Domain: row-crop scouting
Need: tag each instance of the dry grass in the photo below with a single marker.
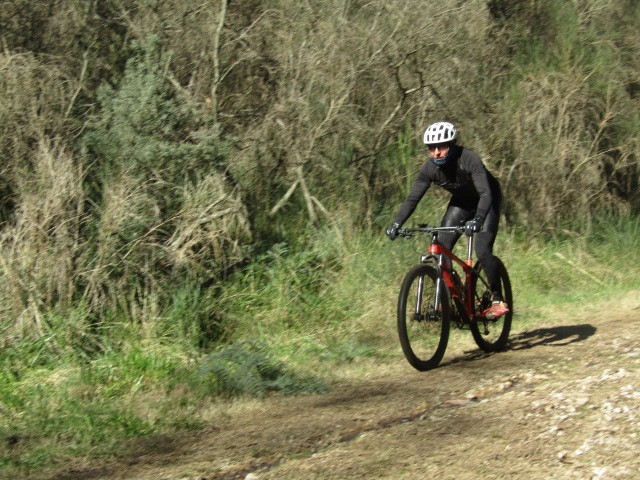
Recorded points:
(39, 250)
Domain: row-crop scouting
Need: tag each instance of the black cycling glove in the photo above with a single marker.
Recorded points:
(392, 230)
(473, 226)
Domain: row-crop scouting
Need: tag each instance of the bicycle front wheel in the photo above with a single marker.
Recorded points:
(491, 335)
(423, 328)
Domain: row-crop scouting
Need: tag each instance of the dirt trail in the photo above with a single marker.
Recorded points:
(562, 403)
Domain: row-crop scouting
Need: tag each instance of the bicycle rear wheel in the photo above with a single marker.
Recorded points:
(423, 331)
(491, 335)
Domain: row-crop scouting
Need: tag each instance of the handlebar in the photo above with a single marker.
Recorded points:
(426, 229)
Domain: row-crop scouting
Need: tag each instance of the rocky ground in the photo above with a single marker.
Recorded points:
(562, 403)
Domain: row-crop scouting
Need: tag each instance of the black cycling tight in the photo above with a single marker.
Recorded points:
(484, 239)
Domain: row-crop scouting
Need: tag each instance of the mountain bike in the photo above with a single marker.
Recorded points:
(433, 295)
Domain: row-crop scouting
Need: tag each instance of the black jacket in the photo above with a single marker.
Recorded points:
(471, 185)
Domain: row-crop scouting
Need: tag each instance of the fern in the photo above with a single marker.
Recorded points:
(245, 368)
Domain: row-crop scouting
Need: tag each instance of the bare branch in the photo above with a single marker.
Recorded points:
(83, 72)
(284, 199)
(216, 59)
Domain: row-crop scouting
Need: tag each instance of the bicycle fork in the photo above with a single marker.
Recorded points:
(436, 304)
(417, 314)
(429, 315)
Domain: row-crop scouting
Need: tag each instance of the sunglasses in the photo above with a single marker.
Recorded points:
(440, 146)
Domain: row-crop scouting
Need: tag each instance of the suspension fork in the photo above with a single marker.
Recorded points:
(417, 313)
(438, 260)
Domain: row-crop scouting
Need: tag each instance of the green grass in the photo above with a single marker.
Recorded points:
(292, 312)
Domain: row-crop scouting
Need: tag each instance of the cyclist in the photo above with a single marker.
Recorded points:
(475, 201)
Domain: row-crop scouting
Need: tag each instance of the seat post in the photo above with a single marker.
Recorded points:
(470, 251)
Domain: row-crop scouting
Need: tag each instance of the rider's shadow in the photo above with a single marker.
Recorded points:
(551, 336)
(559, 336)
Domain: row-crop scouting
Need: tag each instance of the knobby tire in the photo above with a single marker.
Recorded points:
(423, 336)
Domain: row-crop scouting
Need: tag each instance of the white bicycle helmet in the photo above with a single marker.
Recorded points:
(440, 132)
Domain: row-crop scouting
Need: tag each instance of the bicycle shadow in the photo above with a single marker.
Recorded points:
(559, 336)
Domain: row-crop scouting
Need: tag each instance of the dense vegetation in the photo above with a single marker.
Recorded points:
(182, 176)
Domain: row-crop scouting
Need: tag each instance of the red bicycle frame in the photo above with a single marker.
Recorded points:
(463, 298)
